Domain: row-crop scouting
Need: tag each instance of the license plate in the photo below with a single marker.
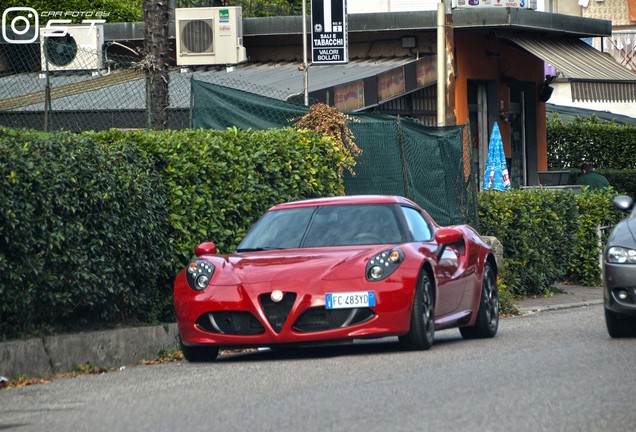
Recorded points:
(349, 300)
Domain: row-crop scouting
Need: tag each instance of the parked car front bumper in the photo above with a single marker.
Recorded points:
(619, 281)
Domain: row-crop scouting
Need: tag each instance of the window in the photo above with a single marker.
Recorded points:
(418, 225)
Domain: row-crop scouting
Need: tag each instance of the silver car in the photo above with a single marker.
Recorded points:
(619, 273)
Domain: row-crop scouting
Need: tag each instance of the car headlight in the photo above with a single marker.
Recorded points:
(383, 264)
(199, 274)
(621, 255)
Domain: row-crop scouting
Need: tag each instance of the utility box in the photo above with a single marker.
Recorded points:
(209, 36)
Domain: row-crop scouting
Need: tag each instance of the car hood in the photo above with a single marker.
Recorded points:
(624, 234)
(292, 265)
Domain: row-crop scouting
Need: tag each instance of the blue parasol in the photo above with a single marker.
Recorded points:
(496, 176)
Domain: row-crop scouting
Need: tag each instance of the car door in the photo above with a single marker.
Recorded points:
(448, 277)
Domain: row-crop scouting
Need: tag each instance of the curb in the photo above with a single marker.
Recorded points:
(47, 356)
(546, 308)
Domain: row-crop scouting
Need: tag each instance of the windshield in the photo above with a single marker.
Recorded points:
(335, 225)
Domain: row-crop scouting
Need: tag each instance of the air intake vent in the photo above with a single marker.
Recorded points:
(277, 313)
(321, 319)
(238, 323)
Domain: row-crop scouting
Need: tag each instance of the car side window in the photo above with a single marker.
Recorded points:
(418, 225)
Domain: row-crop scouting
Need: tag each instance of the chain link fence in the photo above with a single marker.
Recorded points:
(60, 84)
(400, 156)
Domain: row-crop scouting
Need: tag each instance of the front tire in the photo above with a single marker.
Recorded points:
(488, 315)
(199, 354)
(619, 327)
(422, 331)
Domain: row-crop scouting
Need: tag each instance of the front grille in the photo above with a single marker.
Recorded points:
(277, 313)
(321, 319)
(239, 323)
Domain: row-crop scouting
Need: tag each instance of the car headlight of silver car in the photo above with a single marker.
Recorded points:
(621, 255)
(383, 264)
(199, 274)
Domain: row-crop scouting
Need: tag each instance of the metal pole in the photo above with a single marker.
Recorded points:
(305, 66)
(47, 88)
(441, 65)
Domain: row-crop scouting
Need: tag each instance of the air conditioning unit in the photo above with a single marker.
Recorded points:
(209, 36)
(79, 49)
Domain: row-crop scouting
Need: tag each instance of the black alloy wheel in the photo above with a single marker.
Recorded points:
(488, 315)
(422, 331)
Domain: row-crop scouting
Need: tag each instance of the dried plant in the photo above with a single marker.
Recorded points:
(328, 121)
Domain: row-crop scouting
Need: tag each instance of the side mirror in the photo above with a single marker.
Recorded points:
(206, 248)
(446, 236)
(624, 203)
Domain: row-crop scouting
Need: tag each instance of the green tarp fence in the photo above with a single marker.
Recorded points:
(399, 156)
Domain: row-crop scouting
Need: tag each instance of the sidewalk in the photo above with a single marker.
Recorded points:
(572, 296)
(43, 357)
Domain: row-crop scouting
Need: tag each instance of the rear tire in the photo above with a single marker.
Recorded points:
(199, 354)
(619, 326)
(488, 315)
(422, 331)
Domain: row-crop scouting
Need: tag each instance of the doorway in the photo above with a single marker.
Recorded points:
(482, 103)
(484, 110)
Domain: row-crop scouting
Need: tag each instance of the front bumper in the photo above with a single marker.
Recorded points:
(245, 315)
(620, 278)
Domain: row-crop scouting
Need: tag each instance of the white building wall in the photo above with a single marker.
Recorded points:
(374, 6)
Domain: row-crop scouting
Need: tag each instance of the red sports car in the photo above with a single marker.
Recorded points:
(334, 269)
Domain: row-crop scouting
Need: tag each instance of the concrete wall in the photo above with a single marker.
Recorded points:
(42, 357)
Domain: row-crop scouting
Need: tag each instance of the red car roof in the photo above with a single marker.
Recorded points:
(340, 200)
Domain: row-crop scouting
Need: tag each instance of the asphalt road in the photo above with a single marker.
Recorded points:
(552, 371)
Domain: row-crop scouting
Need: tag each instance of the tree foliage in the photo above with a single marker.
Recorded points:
(253, 8)
(118, 10)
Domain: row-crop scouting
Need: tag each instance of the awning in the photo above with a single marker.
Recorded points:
(593, 75)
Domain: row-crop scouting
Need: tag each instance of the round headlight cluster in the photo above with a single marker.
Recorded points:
(621, 255)
(199, 274)
(383, 264)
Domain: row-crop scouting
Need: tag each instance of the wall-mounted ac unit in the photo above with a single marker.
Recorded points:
(79, 49)
(209, 36)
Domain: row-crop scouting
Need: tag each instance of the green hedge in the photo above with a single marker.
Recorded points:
(220, 182)
(536, 228)
(83, 237)
(548, 235)
(622, 181)
(595, 211)
(94, 227)
(607, 145)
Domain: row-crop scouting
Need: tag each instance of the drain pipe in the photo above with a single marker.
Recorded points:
(305, 66)
(441, 65)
